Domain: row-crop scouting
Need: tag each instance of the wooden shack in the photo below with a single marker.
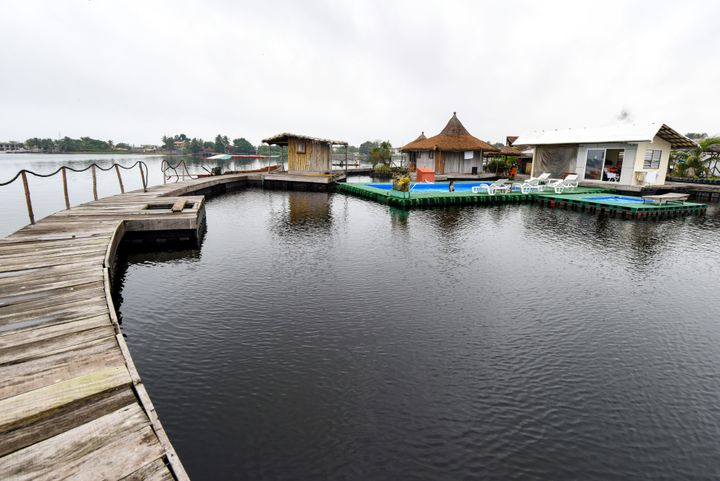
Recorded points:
(306, 155)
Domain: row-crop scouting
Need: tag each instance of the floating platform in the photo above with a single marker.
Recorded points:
(614, 205)
(590, 199)
(435, 199)
(302, 181)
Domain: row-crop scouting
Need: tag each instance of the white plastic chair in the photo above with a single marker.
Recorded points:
(500, 185)
(534, 183)
(570, 182)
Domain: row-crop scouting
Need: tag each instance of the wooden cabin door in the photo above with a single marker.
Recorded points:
(439, 162)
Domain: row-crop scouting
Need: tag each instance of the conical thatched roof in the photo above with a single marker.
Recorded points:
(409, 146)
(454, 137)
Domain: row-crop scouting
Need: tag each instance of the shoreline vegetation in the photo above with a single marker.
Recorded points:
(376, 151)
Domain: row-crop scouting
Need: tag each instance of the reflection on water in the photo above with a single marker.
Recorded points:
(322, 336)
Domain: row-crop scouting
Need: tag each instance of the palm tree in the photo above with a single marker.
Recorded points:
(699, 161)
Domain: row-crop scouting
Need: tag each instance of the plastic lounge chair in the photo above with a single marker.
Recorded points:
(533, 183)
(570, 182)
(500, 185)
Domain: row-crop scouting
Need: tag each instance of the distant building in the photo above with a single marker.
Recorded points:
(452, 151)
(628, 154)
(306, 154)
(12, 147)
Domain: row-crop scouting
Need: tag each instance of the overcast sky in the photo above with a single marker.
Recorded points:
(135, 70)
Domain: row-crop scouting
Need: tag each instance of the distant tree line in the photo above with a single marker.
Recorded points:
(67, 144)
(220, 145)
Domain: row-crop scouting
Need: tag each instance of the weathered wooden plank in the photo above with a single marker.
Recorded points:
(53, 315)
(49, 300)
(76, 288)
(179, 205)
(109, 447)
(47, 281)
(59, 238)
(155, 471)
(37, 334)
(37, 246)
(65, 418)
(17, 410)
(49, 252)
(54, 345)
(39, 372)
(14, 264)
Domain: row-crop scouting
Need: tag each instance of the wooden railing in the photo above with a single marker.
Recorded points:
(183, 173)
(63, 171)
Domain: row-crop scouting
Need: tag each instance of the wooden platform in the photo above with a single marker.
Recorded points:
(300, 181)
(72, 404)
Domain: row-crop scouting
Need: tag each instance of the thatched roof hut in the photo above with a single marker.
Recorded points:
(453, 138)
(409, 146)
(453, 151)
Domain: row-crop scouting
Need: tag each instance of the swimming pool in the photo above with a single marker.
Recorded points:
(619, 199)
(434, 186)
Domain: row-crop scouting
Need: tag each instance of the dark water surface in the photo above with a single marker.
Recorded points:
(319, 336)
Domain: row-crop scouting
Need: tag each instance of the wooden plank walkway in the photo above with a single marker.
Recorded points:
(72, 404)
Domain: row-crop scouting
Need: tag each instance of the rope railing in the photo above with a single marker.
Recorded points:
(22, 174)
(165, 166)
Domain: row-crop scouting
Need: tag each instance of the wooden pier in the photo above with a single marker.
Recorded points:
(72, 404)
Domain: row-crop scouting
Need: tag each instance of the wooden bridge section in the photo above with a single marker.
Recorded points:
(72, 404)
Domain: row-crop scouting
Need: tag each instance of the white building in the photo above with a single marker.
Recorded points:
(629, 154)
(12, 147)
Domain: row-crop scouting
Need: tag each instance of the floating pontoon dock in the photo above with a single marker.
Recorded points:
(620, 206)
(582, 198)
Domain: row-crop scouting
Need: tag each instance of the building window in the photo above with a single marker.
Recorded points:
(652, 159)
(301, 147)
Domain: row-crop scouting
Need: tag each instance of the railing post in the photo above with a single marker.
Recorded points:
(142, 176)
(65, 188)
(94, 177)
(27, 197)
(122, 187)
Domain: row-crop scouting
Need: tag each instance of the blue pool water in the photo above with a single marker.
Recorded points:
(619, 199)
(433, 187)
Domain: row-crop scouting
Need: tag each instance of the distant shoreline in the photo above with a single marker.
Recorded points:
(105, 152)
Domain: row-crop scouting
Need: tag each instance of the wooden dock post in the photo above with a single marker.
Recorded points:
(65, 188)
(122, 187)
(28, 202)
(142, 177)
(94, 178)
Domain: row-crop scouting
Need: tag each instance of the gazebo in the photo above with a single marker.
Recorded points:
(453, 151)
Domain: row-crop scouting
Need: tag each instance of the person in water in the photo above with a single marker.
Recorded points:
(451, 186)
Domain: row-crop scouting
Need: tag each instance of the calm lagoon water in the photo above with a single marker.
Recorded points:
(47, 193)
(319, 336)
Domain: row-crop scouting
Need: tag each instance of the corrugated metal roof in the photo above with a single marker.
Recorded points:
(624, 132)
